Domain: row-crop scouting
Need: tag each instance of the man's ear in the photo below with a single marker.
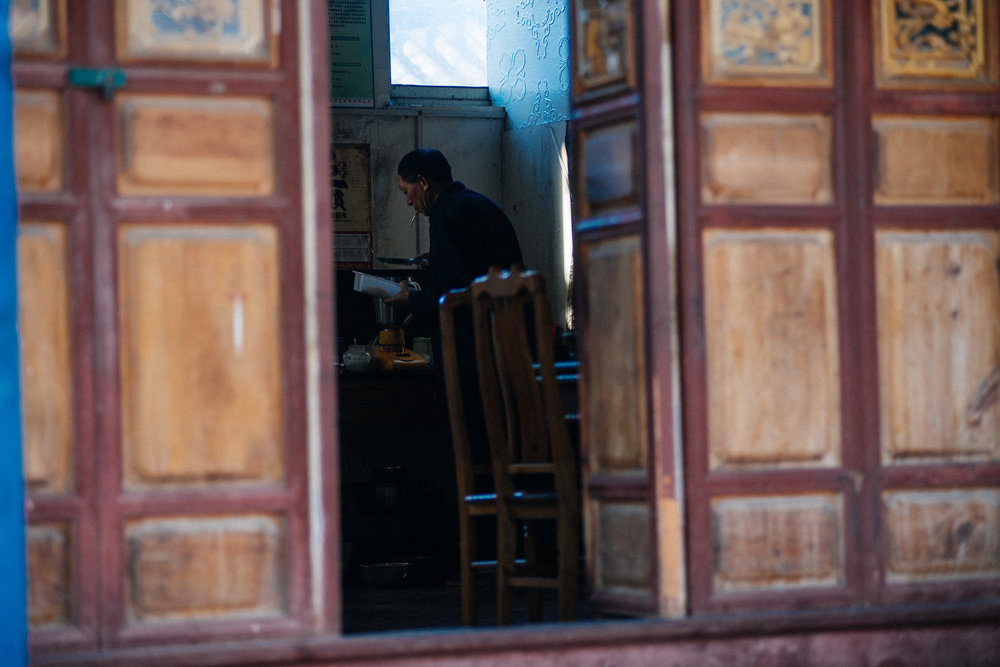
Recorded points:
(423, 182)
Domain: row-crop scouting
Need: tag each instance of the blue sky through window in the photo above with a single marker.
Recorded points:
(437, 42)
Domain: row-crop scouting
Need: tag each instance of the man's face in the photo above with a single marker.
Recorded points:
(416, 194)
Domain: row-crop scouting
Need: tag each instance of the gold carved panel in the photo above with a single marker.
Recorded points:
(755, 158)
(777, 542)
(941, 534)
(615, 349)
(936, 44)
(773, 359)
(939, 345)
(200, 355)
(197, 567)
(232, 32)
(38, 28)
(46, 365)
(39, 138)
(767, 42)
(51, 581)
(624, 550)
(603, 47)
(936, 160)
(196, 146)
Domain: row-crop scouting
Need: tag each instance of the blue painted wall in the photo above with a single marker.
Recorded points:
(13, 606)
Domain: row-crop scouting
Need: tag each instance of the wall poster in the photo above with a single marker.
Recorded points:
(351, 70)
(350, 189)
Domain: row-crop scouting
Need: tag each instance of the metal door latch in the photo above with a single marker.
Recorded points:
(108, 80)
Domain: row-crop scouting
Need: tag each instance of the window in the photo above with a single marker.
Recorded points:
(437, 42)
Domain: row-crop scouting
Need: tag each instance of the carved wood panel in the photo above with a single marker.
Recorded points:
(935, 44)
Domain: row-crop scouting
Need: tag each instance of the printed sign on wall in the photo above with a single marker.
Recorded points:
(350, 189)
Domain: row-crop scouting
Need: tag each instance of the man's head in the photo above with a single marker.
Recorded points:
(423, 174)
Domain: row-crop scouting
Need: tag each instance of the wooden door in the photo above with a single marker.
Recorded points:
(839, 244)
(623, 267)
(163, 321)
(832, 278)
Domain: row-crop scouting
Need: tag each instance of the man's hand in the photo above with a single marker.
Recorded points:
(402, 298)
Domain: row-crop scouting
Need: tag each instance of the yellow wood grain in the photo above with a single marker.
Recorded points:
(39, 139)
(615, 349)
(200, 354)
(196, 146)
(773, 359)
(759, 158)
(46, 376)
(939, 345)
(936, 160)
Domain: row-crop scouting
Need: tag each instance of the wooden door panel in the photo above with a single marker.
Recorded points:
(615, 341)
(231, 33)
(939, 345)
(951, 46)
(941, 535)
(622, 558)
(193, 145)
(52, 582)
(936, 160)
(191, 567)
(766, 158)
(39, 139)
(201, 376)
(772, 348)
(767, 44)
(46, 363)
(38, 29)
(777, 542)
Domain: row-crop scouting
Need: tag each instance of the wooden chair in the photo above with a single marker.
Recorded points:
(534, 465)
(476, 498)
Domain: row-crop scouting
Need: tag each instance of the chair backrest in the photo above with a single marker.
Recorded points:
(525, 423)
(455, 305)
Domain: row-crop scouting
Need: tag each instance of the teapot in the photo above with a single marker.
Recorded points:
(357, 358)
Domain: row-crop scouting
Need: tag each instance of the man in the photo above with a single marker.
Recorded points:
(469, 233)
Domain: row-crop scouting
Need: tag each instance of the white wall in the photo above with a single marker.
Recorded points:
(471, 139)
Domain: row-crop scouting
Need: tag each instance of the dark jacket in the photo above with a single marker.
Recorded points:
(469, 233)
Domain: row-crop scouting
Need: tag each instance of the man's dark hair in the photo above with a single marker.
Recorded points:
(426, 162)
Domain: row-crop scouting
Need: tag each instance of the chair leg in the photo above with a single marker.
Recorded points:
(506, 555)
(467, 545)
(531, 562)
(568, 563)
